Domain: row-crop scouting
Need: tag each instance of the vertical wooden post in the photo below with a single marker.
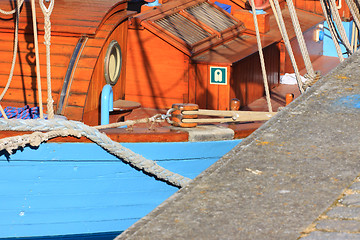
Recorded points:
(37, 59)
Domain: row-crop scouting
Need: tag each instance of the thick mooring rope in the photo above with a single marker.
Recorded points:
(300, 39)
(47, 36)
(339, 25)
(335, 41)
(261, 55)
(354, 12)
(60, 127)
(280, 21)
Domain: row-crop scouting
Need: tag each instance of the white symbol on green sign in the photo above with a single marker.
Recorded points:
(218, 75)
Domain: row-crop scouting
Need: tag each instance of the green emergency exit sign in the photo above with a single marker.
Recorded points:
(218, 75)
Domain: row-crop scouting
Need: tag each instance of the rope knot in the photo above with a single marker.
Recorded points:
(36, 139)
(311, 79)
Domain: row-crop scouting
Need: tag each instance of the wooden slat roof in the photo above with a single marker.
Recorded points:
(192, 26)
(69, 16)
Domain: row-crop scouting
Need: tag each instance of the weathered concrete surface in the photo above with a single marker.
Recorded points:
(308, 154)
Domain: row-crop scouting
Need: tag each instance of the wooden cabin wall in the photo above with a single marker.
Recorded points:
(315, 7)
(206, 95)
(157, 74)
(246, 79)
(66, 31)
(92, 93)
(23, 87)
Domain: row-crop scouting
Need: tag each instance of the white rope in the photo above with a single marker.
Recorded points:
(336, 43)
(300, 39)
(16, 10)
(13, 10)
(354, 12)
(47, 36)
(280, 21)
(261, 55)
(156, 118)
(37, 58)
(340, 27)
(60, 127)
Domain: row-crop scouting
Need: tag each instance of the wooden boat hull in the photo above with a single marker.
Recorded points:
(80, 190)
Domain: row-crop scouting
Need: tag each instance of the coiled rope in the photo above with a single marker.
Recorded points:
(60, 127)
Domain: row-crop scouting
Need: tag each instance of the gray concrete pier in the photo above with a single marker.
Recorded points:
(295, 177)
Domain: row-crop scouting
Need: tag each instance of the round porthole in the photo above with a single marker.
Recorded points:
(113, 61)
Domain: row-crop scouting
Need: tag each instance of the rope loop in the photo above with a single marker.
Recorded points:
(47, 24)
(14, 10)
(168, 115)
(47, 10)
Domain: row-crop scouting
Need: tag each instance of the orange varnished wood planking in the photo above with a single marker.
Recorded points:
(152, 50)
(314, 6)
(156, 71)
(161, 68)
(247, 18)
(92, 104)
(77, 17)
(247, 82)
(144, 134)
(98, 19)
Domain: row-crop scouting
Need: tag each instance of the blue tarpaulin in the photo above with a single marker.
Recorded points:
(224, 6)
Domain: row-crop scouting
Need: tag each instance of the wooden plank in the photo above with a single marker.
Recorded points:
(247, 81)
(65, 16)
(202, 74)
(224, 93)
(80, 86)
(21, 82)
(27, 70)
(246, 17)
(59, 60)
(192, 83)
(76, 99)
(98, 80)
(310, 6)
(76, 113)
(7, 45)
(155, 102)
(83, 74)
(29, 96)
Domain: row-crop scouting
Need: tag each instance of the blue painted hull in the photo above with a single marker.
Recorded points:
(79, 191)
